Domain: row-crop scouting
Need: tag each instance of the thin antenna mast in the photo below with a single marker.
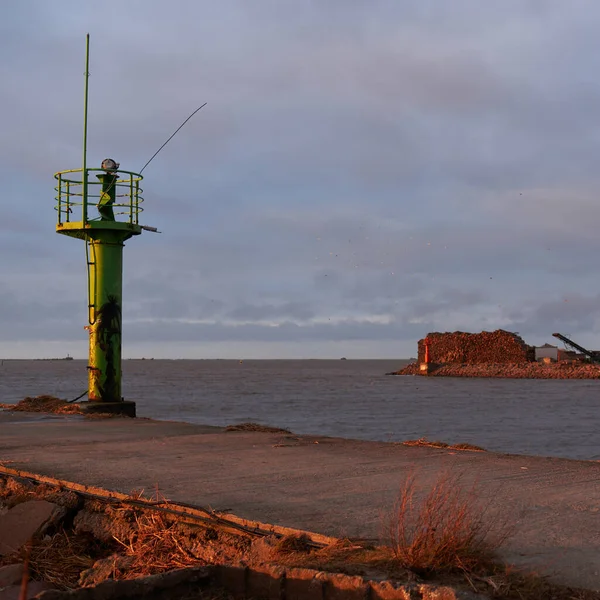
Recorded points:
(85, 120)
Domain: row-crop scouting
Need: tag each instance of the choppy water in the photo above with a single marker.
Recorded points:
(350, 398)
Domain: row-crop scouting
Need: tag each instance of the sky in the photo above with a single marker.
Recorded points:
(363, 172)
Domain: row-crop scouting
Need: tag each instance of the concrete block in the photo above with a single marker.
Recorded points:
(103, 569)
(389, 590)
(12, 592)
(27, 520)
(265, 582)
(107, 590)
(11, 574)
(303, 584)
(233, 579)
(344, 587)
(434, 592)
(101, 526)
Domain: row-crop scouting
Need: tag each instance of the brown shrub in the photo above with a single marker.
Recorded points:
(449, 529)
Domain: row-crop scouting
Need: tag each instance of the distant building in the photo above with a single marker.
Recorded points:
(547, 351)
(554, 353)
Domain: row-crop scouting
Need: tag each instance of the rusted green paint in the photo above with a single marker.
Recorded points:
(106, 281)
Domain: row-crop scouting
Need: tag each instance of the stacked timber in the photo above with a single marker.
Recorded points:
(493, 347)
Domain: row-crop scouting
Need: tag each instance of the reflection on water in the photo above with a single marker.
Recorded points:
(350, 398)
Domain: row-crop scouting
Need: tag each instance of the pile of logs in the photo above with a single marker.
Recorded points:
(475, 348)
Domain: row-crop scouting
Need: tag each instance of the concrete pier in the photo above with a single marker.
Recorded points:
(331, 486)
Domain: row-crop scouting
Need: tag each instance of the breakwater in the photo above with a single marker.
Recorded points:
(531, 370)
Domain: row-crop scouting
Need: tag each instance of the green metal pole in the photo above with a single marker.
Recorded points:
(106, 277)
(104, 239)
(85, 120)
(106, 273)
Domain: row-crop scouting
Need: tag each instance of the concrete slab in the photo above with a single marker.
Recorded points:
(11, 574)
(327, 485)
(13, 592)
(25, 520)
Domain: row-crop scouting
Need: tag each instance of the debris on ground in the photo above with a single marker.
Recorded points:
(257, 427)
(78, 541)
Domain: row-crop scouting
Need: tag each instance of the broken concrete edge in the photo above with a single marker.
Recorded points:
(242, 581)
(27, 521)
(11, 574)
(269, 582)
(180, 510)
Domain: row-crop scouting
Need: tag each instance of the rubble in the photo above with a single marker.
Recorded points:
(565, 370)
(26, 521)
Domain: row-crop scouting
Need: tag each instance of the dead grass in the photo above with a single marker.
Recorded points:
(156, 546)
(291, 544)
(448, 530)
(256, 427)
(59, 559)
(436, 444)
(46, 404)
(53, 405)
(449, 536)
(344, 556)
(466, 446)
(507, 583)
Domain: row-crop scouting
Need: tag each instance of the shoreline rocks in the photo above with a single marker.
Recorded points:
(530, 370)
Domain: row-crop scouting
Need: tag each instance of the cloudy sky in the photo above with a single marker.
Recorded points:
(363, 172)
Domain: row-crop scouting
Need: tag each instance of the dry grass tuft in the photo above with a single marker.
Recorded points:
(506, 583)
(59, 559)
(448, 530)
(256, 427)
(46, 404)
(53, 405)
(436, 444)
(344, 556)
(156, 546)
(466, 446)
(293, 544)
(425, 442)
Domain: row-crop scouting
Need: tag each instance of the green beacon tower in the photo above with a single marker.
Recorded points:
(101, 206)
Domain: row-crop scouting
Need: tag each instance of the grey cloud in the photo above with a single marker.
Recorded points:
(40, 317)
(402, 160)
(286, 331)
(254, 312)
(573, 313)
(446, 300)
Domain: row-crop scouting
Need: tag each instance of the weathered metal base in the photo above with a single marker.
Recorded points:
(124, 407)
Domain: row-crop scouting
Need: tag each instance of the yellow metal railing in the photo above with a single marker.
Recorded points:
(77, 196)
